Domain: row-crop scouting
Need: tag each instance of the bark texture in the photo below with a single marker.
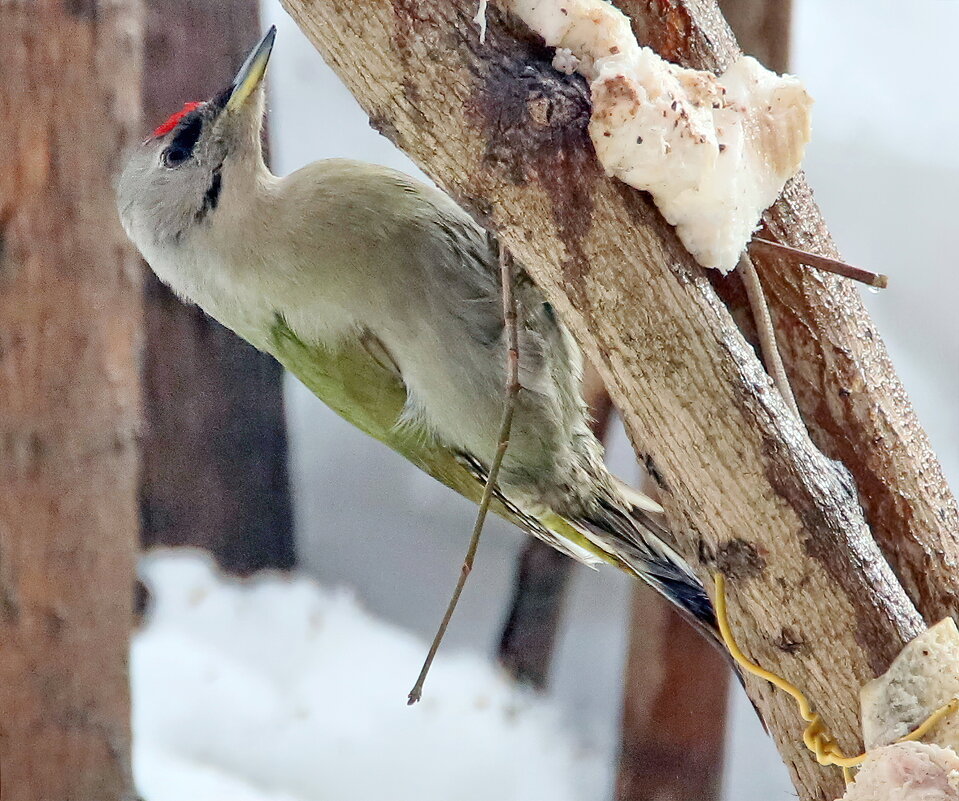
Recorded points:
(851, 399)
(677, 686)
(215, 451)
(70, 320)
(746, 490)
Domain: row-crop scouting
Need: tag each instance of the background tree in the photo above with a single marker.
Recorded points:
(214, 448)
(70, 320)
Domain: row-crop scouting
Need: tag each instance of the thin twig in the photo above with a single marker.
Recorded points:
(534, 620)
(877, 280)
(509, 406)
(766, 331)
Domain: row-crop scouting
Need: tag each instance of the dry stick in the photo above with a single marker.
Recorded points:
(766, 331)
(509, 406)
(877, 280)
(543, 574)
(760, 309)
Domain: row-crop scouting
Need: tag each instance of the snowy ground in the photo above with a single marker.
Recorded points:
(277, 689)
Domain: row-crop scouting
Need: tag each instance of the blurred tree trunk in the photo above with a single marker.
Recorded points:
(677, 684)
(70, 319)
(533, 621)
(215, 455)
(674, 709)
(762, 28)
(542, 579)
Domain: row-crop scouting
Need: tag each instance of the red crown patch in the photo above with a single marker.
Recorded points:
(174, 119)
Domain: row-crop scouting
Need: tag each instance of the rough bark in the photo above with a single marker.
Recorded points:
(214, 450)
(70, 320)
(851, 399)
(747, 492)
(674, 708)
(542, 579)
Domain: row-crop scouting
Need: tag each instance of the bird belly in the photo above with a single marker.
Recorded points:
(456, 391)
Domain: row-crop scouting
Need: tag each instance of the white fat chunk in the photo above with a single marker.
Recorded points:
(480, 19)
(907, 772)
(923, 678)
(565, 61)
(714, 152)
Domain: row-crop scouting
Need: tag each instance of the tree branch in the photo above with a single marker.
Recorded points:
(746, 491)
(851, 398)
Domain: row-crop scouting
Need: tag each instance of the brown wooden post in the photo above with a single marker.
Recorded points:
(215, 455)
(70, 322)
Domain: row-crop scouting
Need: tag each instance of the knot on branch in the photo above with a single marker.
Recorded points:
(533, 116)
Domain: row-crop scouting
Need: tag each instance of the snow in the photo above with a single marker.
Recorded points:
(278, 689)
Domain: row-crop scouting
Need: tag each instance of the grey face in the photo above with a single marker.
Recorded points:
(173, 181)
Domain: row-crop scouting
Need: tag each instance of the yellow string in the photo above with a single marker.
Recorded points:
(921, 731)
(815, 738)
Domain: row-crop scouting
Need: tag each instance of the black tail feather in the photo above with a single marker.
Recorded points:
(641, 542)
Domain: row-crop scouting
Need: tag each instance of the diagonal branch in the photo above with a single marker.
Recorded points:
(851, 398)
(747, 492)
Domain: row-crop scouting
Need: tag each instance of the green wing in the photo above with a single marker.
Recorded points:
(371, 395)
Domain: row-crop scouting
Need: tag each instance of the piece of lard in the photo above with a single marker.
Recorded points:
(921, 679)
(907, 772)
(714, 152)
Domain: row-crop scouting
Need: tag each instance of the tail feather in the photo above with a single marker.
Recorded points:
(622, 528)
(636, 499)
(640, 541)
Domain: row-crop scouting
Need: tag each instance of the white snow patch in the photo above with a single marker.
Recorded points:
(277, 689)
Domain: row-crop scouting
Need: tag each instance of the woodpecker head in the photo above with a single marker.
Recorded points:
(173, 182)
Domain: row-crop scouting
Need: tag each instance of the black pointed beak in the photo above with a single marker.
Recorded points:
(251, 73)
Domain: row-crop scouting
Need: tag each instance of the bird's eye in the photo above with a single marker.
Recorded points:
(174, 156)
(185, 137)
